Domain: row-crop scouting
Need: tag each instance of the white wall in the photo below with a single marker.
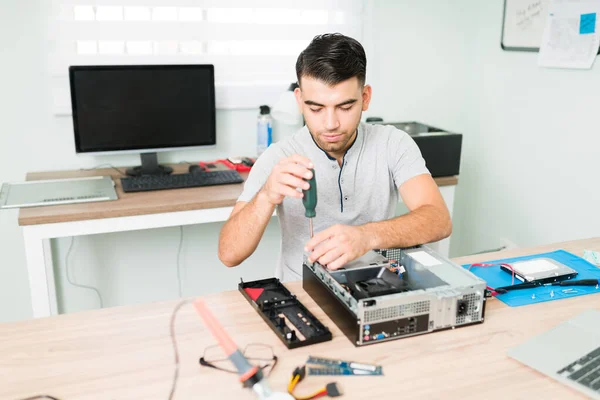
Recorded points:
(419, 62)
(529, 165)
(126, 267)
(417, 53)
(22, 122)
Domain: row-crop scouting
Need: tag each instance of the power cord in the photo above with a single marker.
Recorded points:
(72, 281)
(179, 261)
(174, 341)
(120, 171)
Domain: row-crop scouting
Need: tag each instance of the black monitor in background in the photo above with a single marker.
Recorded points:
(143, 109)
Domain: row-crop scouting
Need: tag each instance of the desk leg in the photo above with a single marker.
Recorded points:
(40, 270)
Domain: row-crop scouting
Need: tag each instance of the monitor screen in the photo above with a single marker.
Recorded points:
(142, 107)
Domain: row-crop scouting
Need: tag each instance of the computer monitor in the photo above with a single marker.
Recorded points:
(143, 109)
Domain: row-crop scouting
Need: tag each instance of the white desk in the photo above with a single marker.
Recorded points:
(133, 211)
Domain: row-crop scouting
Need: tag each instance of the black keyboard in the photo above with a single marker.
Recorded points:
(180, 181)
(585, 371)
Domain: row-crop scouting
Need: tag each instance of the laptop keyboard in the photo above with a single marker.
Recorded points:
(585, 370)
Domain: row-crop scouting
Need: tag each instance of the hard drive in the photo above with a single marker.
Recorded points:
(541, 270)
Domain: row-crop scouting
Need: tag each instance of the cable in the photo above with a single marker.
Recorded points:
(331, 389)
(72, 281)
(490, 250)
(178, 260)
(491, 289)
(294, 381)
(40, 397)
(105, 165)
(174, 341)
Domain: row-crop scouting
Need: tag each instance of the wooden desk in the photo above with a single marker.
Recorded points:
(140, 203)
(132, 211)
(126, 352)
(129, 204)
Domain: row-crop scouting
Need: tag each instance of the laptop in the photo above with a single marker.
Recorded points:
(569, 353)
(57, 191)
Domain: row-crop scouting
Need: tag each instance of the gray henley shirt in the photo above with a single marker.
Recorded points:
(363, 189)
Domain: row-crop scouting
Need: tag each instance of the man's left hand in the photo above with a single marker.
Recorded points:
(337, 245)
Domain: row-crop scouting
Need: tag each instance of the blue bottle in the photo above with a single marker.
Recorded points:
(264, 129)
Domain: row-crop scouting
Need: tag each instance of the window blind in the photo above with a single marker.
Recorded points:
(252, 44)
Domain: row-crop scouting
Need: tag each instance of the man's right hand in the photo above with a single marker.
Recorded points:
(287, 175)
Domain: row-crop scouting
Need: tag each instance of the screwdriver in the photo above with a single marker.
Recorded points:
(529, 285)
(310, 201)
(581, 282)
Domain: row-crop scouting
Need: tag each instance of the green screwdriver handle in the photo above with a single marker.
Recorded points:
(310, 197)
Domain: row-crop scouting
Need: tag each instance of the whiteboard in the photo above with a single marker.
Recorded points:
(523, 24)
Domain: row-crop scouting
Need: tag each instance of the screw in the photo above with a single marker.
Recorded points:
(533, 296)
(552, 293)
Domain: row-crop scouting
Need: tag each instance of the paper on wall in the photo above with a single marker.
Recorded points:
(571, 35)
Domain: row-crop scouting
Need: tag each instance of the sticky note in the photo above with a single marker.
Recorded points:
(587, 23)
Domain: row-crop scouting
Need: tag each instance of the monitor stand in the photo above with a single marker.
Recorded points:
(149, 166)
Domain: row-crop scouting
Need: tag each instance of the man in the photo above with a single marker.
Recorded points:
(360, 170)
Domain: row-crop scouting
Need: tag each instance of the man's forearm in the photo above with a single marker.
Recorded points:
(242, 232)
(423, 225)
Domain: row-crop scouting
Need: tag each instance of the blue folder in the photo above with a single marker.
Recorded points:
(495, 277)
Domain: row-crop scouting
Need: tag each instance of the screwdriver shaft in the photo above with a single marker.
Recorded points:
(309, 200)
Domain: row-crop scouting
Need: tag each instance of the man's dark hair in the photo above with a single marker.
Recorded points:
(332, 58)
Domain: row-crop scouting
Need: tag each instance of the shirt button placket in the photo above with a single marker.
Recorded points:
(347, 185)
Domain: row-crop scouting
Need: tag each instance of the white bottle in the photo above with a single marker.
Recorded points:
(264, 130)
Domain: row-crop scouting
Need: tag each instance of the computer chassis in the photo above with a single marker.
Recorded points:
(396, 293)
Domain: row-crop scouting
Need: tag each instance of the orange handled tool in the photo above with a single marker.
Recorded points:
(251, 376)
